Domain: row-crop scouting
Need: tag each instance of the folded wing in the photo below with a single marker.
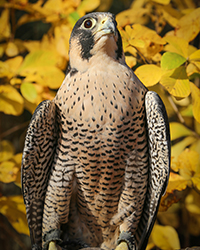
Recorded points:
(38, 154)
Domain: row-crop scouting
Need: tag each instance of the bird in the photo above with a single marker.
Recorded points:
(96, 158)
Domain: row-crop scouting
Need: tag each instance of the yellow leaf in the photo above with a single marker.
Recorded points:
(165, 237)
(197, 64)
(15, 81)
(105, 5)
(195, 56)
(21, 2)
(192, 69)
(177, 45)
(6, 150)
(2, 49)
(149, 74)
(11, 49)
(196, 181)
(9, 67)
(184, 102)
(141, 32)
(131, 61)
(176, 82)
(196, 146)
(5, 29)
(48, 95)
(46, 76)
(189, 25)
(32, 46)
(11, 102)
(14, 209)
(176, 182)
(28, 91)
(177, 149)
(53, 77)
(18, 159)
(150, 246)
(188, 161)
(131, 16)
(40, 67)
(62, 35)
(147, 41)
(192, 203)
(164, 2)
(131, 50)
(178, 130)
(31, 106)
(137, 43)
(14, 63)
(191, 49)
(87, 6)
(197, 127)
(53, 10)
(195, 101)
(36, 59)
(170, 15)
(137, 4)
(8, 171)
(157, 57)
(53, 6)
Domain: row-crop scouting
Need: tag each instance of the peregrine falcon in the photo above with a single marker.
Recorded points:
(96, 158)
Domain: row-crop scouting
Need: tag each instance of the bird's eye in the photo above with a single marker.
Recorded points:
(88, 24)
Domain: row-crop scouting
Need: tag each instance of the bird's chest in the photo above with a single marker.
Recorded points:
(99, 138)
(102, 122)
(100, 152)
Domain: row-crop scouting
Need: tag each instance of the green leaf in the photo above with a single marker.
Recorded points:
(74, 16)
(171, 60)
(28, 91)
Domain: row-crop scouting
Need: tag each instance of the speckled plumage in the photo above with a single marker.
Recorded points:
(96, 158)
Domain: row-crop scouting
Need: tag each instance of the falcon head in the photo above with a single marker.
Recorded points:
(95, 38)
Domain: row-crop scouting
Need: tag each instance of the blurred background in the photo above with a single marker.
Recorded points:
(162, 45)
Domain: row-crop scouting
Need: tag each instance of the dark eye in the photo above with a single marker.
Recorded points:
(88, 24)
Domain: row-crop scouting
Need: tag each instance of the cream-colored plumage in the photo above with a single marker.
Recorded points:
(100, 186)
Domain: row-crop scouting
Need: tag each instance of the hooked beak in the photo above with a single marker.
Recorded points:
(106, 26)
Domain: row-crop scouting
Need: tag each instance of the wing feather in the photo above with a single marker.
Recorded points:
(39, 148)
(159, 164)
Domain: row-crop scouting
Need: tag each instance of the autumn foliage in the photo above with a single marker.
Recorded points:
(161, 44)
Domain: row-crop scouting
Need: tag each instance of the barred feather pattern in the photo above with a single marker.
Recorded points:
(159, 167)
(36, 163)
(102, 149)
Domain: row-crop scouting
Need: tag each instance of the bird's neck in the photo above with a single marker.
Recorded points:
(102, 55)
